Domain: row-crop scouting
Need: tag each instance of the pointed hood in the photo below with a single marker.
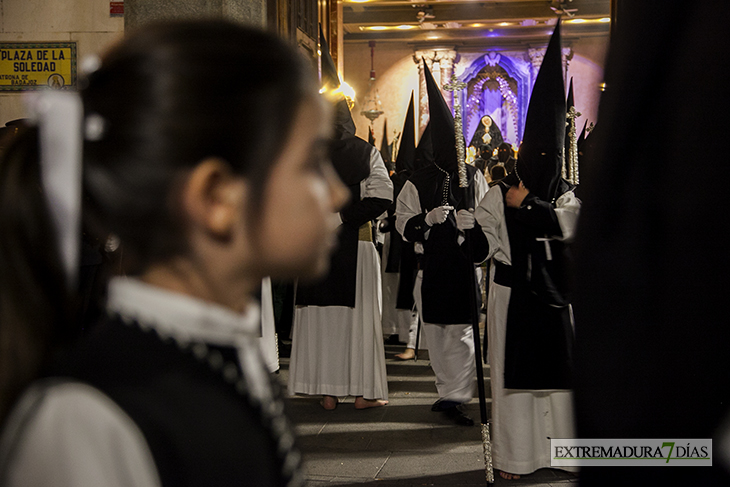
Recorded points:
(582, 136)
(385, 148)
(423, 155)
(540, 159)
(330, 78)
(404, 161)
(344, 125)
(443, 140)
(569, 103)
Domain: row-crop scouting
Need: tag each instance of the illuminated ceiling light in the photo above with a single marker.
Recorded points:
(578, 21)
(605, 19)
(505, 24)
(377, 27)
(434, 36)
(406, 27)
(476, 25)
(357, 1)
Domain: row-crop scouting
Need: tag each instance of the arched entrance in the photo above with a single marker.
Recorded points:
(498, 87)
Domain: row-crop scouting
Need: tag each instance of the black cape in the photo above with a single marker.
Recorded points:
(446, 266)
(539, 343)
(351, 158)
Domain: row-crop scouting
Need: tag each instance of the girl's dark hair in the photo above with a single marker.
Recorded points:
(36, 308)
(170, 96)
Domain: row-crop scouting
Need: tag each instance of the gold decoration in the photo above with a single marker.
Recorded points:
(571, 161)
(487, 445)
(456, 86)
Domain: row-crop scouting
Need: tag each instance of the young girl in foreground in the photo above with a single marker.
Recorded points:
(205, 153)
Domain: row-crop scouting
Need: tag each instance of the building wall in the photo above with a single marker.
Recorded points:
(396, 77)
(86, 22)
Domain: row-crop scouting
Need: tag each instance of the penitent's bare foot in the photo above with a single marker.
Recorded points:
(407, 355)
(362, 403)
(329, 402)
(508, 476)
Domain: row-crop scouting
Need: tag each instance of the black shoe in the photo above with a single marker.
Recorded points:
(443, 405)
(458, 416)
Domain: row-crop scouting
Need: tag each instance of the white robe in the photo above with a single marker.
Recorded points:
(395, 321)
(269, 345)
(523, 421)
(338, 350)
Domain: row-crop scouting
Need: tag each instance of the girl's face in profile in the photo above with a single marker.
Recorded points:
(301, 201)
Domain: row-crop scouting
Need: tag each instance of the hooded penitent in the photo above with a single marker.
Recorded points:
(439, 180)
(442, 123)
(446, 267)
(346, 148)
(350, 156)
(403, 170)
(423, 155)
(407, 149)
(539, 335)
(385, 147)
(540, 159)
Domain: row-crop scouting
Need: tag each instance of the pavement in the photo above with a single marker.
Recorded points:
(402, 444)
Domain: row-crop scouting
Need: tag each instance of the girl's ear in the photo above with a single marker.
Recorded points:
(213, 198)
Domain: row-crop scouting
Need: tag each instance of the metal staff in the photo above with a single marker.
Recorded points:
(456, 86)
(418, 337)
(571, 160)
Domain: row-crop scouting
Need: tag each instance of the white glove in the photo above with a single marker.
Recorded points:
(438, 215)
(465, 220)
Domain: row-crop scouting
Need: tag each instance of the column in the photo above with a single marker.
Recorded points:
(536, 55)
(446, 64)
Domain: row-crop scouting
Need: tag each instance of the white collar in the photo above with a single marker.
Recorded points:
(180, 316)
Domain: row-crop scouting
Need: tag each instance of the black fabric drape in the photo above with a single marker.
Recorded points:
(651, 257)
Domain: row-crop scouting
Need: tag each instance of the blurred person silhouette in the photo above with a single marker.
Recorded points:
(651, 357)
(204, 152)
